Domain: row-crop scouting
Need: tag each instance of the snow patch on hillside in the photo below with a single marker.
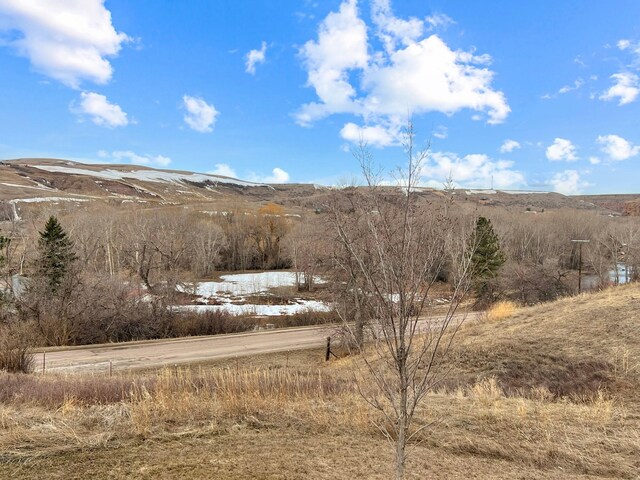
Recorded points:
(147, 175)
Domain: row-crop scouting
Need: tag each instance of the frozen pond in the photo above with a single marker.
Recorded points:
(239, 284)
(228, 295)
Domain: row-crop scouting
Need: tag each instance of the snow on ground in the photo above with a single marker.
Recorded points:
(480, 192)
(246, 284)
(147, 175)
(259, 310)
(17, 185)
(48, 199)
(233, 288)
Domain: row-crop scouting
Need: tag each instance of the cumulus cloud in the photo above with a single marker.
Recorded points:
(375, 135)
(132, 157)
(69, 41)
(224, 170)
(509, 146)
(473, 171)
(200, 115)
(561, 149)
(278, 175)
(255, 57)
(568, 182)
(617, 148)
(392, 30)
(100, 110)
(626, 88)
(412, 71)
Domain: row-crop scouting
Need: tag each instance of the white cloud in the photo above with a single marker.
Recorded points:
(594, 160)
(474, 171)
(200, 115)
(626, 88)
(441, 132)
(132, 157)
(100, 110)
(632, 47)
(69, 41)
(569, 88)
(376, 135)
(509, 146)
(439, 20)
(579, 83)
(617, 148)
(561, 149)
(392, 30)
(568, 182)
(278, 175)
(411, 74)
(623, 44)
(255, 57)
(224, 170)
(341, 46)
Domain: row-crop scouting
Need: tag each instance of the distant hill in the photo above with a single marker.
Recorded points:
(624, 204)
(28, 183)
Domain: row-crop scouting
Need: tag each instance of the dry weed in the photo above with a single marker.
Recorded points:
(501, 311)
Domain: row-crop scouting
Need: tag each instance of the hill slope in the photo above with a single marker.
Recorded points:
(41, 180)
(573, 346)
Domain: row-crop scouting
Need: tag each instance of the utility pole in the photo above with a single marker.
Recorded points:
(580, 242)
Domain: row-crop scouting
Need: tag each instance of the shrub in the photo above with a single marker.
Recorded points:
(15, 349)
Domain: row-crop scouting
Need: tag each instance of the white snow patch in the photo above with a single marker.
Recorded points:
(246, 284)
(260, 310)
(48, 199)
(26, 186)
(522, 192)
(233, 288)
(478, 192)
(148, 175)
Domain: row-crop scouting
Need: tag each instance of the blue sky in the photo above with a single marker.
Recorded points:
(531, 95)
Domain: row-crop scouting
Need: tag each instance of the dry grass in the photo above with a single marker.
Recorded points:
(522, 403)
(501, 311)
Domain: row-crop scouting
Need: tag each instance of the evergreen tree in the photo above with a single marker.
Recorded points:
(56, 253)
(486, 260)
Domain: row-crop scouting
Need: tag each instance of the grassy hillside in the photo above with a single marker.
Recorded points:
(549, 392)
(573, 346)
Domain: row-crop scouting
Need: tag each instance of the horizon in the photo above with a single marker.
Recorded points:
(516, 96)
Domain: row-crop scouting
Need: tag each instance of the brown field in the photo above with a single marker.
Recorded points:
(550, 391)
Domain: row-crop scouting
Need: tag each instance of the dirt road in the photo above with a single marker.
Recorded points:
(158, 353)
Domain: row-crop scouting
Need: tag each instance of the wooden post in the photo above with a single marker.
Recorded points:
(44, 362)
(580, 271)
(328, 353)
(110, 368)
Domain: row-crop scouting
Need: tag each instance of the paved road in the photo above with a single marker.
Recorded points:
(158, 353)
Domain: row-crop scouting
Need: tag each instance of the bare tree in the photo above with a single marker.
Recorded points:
(396, 247)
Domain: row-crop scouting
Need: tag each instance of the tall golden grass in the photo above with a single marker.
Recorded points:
(501, 311)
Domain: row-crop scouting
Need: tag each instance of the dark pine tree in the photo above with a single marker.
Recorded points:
(486, 260)
(56, 253)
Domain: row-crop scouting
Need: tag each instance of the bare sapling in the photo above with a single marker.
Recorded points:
(393, 248)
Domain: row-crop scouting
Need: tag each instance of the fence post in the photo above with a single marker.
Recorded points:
(44, 362)
(110, 368)
(328, 353)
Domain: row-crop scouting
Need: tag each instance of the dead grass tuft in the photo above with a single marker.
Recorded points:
(501, 311)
